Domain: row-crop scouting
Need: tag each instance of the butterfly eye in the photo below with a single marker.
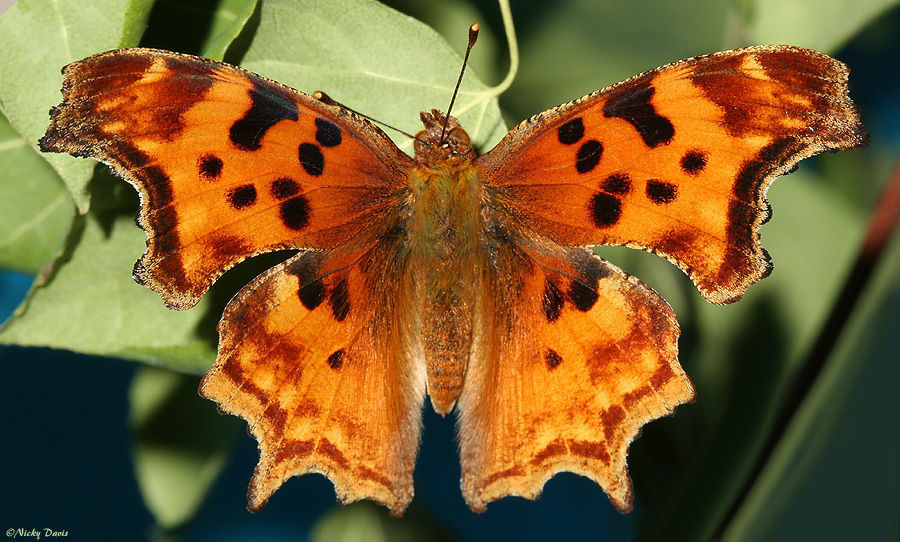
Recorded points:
(458, 141)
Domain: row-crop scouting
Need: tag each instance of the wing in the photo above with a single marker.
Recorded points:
(311, 356)
(677, 160)
(578, 358)
(228, 164)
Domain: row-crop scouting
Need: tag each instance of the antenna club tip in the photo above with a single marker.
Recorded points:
(473, 33)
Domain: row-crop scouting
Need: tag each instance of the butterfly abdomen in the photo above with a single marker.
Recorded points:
(443, 235)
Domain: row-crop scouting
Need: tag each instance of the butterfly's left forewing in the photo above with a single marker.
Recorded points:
(228, 164)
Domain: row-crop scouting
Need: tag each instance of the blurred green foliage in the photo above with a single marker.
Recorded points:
(834, 475)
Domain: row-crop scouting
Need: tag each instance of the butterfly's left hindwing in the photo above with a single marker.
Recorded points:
(311, 355)
(229, 164)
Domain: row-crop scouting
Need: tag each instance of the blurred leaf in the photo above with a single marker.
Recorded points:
(844, 440)
(35, 208)
(367, 522)
(744, 353)
(578, 47)
(823, 26)
(371, 58)
(39, 38)
(202, 27)
(90, 303)
(181, 443)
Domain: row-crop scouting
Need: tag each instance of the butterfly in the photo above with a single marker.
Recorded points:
(465, 278)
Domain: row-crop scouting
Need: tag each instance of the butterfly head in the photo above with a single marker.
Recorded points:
(431, 148)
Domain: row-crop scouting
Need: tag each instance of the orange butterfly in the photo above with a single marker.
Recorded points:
(458, 275)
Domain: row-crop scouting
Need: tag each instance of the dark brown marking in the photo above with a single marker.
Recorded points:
(210, 167)
(552, 359)
(515, 470)
(327, 134)
(368, 474)
(661, 192)
(276, 416)
(662, 375)
(294, 213)
(591, 450)
(335, 360)
(268, 107)
(311, 291)
(242, 196)
(331, 451)
(631, 398)
(605, 210)
(745, 208)
(555, 448)
(284, 188)
(553, 301)
(311, 158)
(583, 297)
(588, 156)
(227, 247)
(307, 409)
(618, 184)
(630, 101)
(693, 162)
(158, 186)
(571, 132)
(340, 300)
(612, 418)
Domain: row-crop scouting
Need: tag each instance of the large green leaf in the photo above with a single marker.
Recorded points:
(90, 303)
(811, 23)
(180, 444)
(373, 59)
(35, 208)
(30, 76)
(834, 475)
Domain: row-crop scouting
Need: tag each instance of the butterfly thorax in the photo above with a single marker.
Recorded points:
(444, 239)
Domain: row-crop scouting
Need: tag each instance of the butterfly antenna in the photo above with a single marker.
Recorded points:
(473, 35)
(326, 99)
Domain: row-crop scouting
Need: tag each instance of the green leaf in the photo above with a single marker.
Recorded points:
(90, 303)
(823, 26)
(180, 443)
(372, 59)
(367, 522)
(30, 78)
(844, 440)
(202, 27)
(35, 207)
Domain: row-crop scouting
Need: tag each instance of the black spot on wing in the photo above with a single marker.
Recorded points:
(631, 102)
(617, 183)
(588, 156)
(605, 210)
(340, 300)
(311, 159)
(268, 107)
(693, 162)
(327, 133)
(311, 291)
(284, 188)
(660, 192)
(552, 359)
(335, 360)
(294, 213)
(571, 132)
(210, 167)
(552, 302)
(242, 196)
